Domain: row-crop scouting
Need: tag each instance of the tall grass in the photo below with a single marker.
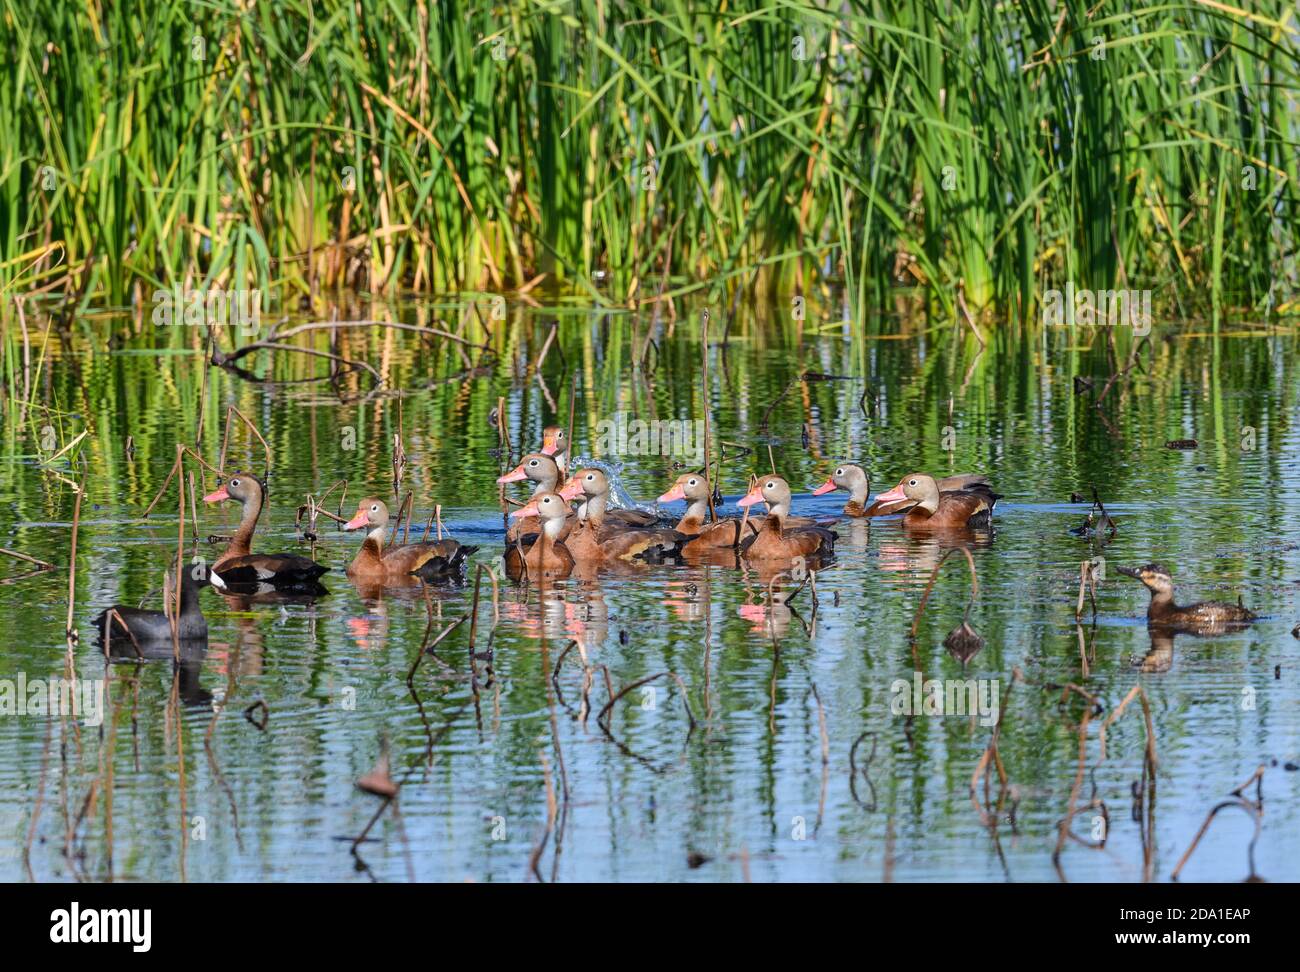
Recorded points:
(640, 151)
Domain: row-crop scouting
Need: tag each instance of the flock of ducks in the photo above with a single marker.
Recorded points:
(547, 537)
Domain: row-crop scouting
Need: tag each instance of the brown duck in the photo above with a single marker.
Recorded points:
(598, 538)
(929, 507)
(773, 541)
(431, 560)
(542, 553)
(238, 565)
(723, 532)
(1164, 611)
(851, 478)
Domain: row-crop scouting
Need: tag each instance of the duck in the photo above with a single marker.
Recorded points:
(1203, 615)
(774, 541)
(431, 560)
(544, 472)
(597, 538)
(854, 480)
(555, 443)
(237, 565)
(146, 626)
(542, 553)
(930, 507)
(722, 532)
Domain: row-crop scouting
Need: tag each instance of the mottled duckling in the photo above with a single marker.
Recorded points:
(1163, 609)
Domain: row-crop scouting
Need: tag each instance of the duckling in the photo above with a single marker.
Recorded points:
(1163, 609)
(928, 506)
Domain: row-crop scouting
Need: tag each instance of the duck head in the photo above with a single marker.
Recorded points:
(772, 490)
(692, 487)
(550, 507)
(242, 487)
(849, 477)
(536, 467)
(372, 513)
(920, 489)
(555, 442)
(1154, 576)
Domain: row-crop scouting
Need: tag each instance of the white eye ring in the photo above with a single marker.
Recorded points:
(911, 482)
(840, 471)
(591, 477)
(532, 462)
(234, 482)
(691, 483)
(374, 509)
(770, 486)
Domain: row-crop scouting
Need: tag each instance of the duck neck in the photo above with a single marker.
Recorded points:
(696, 510)
(372, 548)
(594, 508)
(189, 591)
(551, 528)
(1162, 603)
(860, 491)
(241, 544)
(780, 509)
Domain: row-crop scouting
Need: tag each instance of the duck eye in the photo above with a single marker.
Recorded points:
(374, 509)
(590, 477)
(234, 482)
(532, 462)
(840, 471)
(692, 482)
(770, 486)
(911, 482)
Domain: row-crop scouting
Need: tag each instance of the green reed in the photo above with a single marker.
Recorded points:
(904, 147)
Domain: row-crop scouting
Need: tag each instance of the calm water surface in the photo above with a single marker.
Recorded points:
(179, 784)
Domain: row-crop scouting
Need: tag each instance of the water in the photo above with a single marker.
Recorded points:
(179, 783)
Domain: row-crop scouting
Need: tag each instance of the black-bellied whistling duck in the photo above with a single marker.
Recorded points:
(930, 508)
(430, 560)
(773, 541)
(597, 538)
(1214, 615)
(723, 532)
(546, 555)
(145, 626)
(543, 472)
(555, 443)
(238, 565)
(853, 479)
